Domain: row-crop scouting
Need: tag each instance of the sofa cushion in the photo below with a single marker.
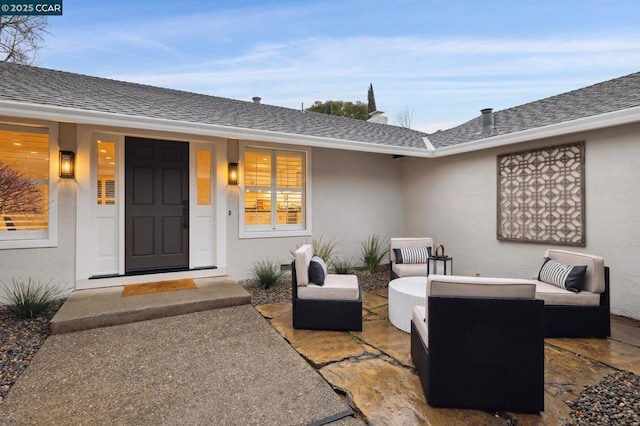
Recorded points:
(409, 269)
(552, 295)
(593, 278)
(453, 285)
(419, 319)
(336, 287)
(411, 255)
(317, 270)
(303, 256)
(567, 277)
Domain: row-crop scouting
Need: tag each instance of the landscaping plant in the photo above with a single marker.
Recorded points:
(342, 265)
(266, 272)
(373, 250)
(323, 249)
(30, 298)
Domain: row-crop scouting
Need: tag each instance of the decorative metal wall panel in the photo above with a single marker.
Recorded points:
(541, 196)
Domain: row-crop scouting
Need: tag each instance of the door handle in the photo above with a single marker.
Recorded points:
(185, 214)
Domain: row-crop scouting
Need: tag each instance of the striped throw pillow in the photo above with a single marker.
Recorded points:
(412, 254)
(568, 277)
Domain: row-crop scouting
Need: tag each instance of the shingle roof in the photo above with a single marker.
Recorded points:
(56, 88)
(41, 86)
(612, 95)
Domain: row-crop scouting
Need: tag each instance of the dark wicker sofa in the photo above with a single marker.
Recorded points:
(480, 352)
(583, 314)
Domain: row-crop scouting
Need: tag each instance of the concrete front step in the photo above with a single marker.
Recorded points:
(87, 309)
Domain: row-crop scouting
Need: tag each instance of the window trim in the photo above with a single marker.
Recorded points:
(251, 232)
(51, 240)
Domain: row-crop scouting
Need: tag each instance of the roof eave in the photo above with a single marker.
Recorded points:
(80, 116)
(601, 121)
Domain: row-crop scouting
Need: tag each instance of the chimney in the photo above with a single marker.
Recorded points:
(256, 99)
(487, 120)
(378, 117)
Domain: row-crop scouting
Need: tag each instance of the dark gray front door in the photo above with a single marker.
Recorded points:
(156, 205)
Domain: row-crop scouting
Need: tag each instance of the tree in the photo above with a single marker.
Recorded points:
(348, 109)
(18, 194)
(404, 118)
(21, 37)
(372, 99)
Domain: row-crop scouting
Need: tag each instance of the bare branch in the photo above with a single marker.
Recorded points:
(404, 118)
(21, 37)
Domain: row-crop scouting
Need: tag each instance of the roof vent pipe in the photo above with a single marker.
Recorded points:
(256, 99)
(487, 120)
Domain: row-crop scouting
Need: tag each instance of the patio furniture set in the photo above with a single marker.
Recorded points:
(476, 342)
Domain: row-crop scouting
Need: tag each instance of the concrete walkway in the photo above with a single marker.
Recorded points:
(217, 367)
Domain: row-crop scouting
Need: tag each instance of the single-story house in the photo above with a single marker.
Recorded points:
(133, 183)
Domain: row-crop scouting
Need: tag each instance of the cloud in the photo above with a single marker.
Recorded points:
(441, 79)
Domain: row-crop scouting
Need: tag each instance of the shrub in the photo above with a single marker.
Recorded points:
(373, 250)
(324, 249)
(30, 298)
(342, 265)
(266, 272)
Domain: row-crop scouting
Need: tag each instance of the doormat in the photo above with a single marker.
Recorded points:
(158, 287)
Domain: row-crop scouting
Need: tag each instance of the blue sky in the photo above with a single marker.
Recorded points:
(440, 61)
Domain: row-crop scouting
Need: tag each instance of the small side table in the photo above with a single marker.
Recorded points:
(447, 263)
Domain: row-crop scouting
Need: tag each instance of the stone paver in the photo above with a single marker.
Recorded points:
(377, 374)
(318, 347)
(382, 335)
(610, 352)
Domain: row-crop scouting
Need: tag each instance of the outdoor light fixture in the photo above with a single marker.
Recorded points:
(233, 173)
(67, 164)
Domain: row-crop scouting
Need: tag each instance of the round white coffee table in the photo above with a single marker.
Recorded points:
(404, 294)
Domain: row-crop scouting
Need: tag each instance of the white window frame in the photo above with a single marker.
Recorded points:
(38, 239)
(247, 231)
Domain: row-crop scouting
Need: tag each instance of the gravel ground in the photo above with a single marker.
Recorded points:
(613, 401)
(19, 342)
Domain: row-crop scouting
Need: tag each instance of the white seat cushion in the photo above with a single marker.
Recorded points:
(418, 317)
(553, 295)
(336, 287)
(410, 269)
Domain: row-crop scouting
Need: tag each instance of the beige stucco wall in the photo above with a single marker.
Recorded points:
(354, 195)
(453, 199)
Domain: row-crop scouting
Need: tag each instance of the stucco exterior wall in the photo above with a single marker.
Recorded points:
(354, 195)
(453, 200)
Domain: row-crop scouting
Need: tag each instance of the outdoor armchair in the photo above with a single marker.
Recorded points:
(334, 304)
(482, 345)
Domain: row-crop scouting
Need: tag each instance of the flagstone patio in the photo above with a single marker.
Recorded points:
(373, 368)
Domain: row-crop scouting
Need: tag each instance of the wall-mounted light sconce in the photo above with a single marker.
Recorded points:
(67, 164)
(233, 173)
